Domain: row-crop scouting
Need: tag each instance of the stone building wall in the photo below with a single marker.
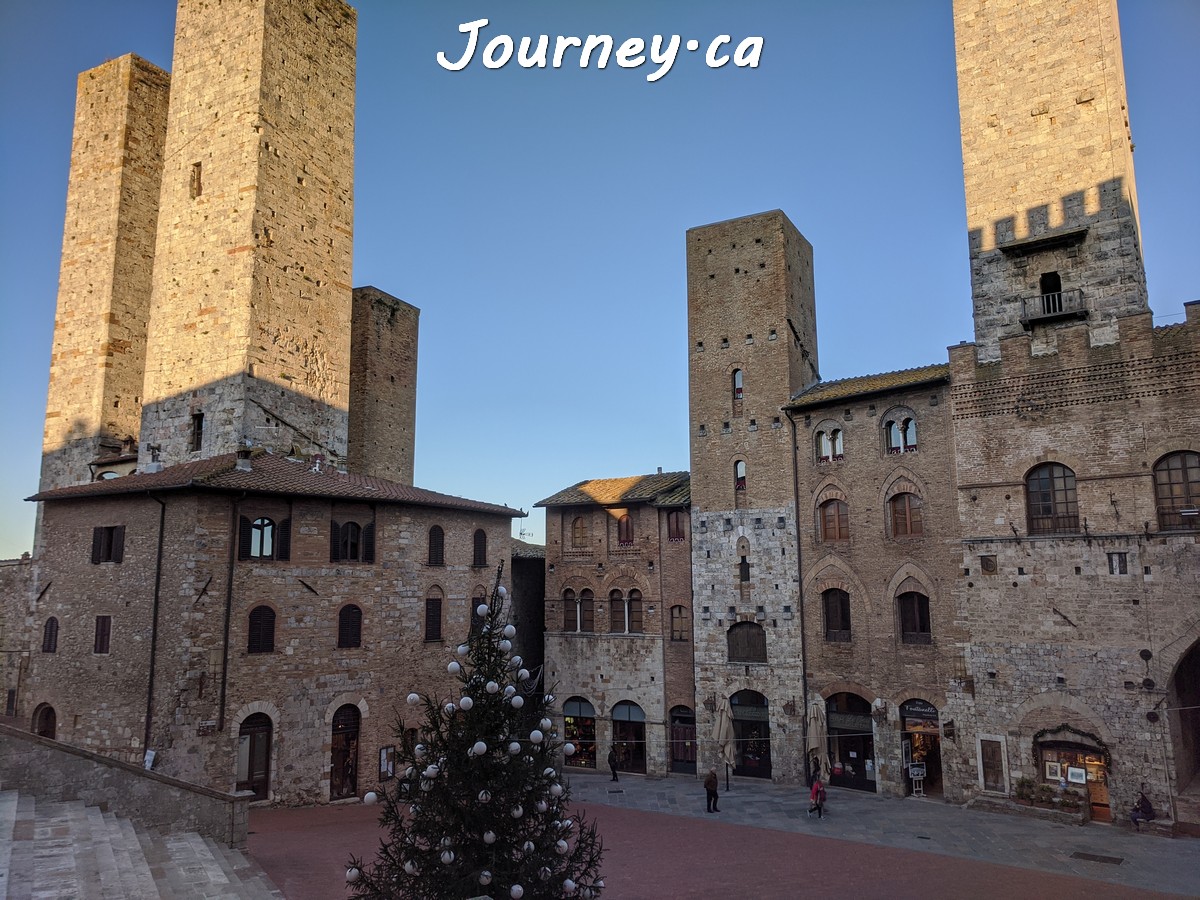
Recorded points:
(97, 361)
(1057, 635)
(251, 307)
(101, 700)
(383, 386)
(876, 563)
(16, 580)
(605, 668)
(1047, 151)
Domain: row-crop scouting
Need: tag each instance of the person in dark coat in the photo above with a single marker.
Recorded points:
(710, 790)
(1142, 811)
(612, 761)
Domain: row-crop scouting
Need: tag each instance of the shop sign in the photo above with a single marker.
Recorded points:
(750, 713)
(918, 709)
(916, 770)
(850, 722)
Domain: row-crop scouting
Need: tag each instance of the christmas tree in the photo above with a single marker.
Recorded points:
(480, 809)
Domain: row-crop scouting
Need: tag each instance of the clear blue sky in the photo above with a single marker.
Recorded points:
(537, 217)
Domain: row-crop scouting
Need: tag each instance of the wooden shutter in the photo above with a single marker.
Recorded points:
(118, 543)
(335, 542)
(367, 551)
(283, 540)
(97, 544)
(243, 538)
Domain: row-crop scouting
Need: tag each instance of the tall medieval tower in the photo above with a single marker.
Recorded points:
(250, 309)
(752, 345)
(1048, 169)
(98, 357)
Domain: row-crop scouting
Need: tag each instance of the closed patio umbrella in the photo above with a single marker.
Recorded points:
(817, 745)
(723, 732)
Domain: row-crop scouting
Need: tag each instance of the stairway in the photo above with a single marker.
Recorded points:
(68, 850)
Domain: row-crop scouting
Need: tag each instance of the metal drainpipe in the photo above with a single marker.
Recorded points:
(800, 599)
(158, 565)
(233, 542)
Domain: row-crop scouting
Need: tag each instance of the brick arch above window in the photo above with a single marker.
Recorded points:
(902, 481)
(830, 490)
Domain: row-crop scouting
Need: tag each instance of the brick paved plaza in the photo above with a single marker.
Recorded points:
(661, 844)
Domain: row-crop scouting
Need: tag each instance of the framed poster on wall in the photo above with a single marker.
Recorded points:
(1053, 771)
(1076, 775)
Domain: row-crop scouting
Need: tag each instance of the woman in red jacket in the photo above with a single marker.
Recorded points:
(817, 798)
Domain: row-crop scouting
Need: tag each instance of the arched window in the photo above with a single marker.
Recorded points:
(1177, 490)
(747, 642)
(45, 721)
(904, 511)
(680, 628)
(675, 526)
(264, 538)
(480, 546)
(261, 636)
(835, 520)
(616, 612)
(579, 533)
(1051, 503)
(587, 611)
(629, 736)
(837, 615)
(736, 378)
(901, 432)
(739, 475)
(349, 626)
(829, 444)
(433, 615)
(633, 618)
(351, 542)
(625, 531)
(343, 747)
(437, 546)
(835, 439)
(570, 611)
(50, 636)
(914, 618)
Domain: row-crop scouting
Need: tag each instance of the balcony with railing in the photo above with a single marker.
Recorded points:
(1052, 307)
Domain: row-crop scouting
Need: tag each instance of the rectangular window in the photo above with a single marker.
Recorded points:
(433, 619)
(108, 544)
(837, 615)
(103, 634)
(197, 438)
(1118, 564)
(195, 184)
(679, 625)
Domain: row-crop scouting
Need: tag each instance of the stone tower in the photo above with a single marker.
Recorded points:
(1048, 169)
(98, 357)
(383, 386)
(250, 309)
(751, 346)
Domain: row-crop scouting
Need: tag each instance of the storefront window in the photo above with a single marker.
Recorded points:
(1070, 766)
(851, 742)
(579, 728)
(921, 746)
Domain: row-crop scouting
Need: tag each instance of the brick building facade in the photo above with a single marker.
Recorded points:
(618, 621)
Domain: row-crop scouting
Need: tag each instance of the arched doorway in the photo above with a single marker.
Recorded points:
(921, 746)
(579, 728)
(254, 755)
(629, 736)
(1183, 698)
(851, 742)
(683, 740)
(45, 721)
(752, 734)
(343, 772)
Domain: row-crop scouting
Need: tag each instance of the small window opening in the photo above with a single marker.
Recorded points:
(195, 183)
(1051, 289)
(197, 438)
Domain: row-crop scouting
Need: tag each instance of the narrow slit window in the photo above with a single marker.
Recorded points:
(196, 182)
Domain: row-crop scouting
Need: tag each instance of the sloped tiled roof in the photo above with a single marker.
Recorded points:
(827, 391)
(271, 474)
(660, 489)
(525, 550)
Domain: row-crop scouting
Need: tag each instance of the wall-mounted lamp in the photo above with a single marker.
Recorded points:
(710, 703)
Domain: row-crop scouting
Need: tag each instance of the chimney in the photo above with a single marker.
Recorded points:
(243, 460)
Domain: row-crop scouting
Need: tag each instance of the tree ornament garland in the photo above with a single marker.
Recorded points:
(492, 810)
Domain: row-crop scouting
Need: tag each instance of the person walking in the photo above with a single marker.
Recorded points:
(816, 798)
(710, 790)
(612, 761)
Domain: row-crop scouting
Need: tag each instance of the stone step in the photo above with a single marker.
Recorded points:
(139, 879)
(9, 801)
(61, 850)
(251, 880)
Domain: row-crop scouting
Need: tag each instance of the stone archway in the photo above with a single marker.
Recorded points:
(1183, 702)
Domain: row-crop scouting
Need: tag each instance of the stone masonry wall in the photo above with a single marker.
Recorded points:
(101, 700)
(383, 386)
(1046, 147)
(251, 305)
(98, 358)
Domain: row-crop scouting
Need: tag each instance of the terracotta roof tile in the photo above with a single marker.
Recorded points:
(827, 391)
(271, 474)
(660, 489)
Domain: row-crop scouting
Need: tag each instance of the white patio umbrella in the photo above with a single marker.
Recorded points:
(818, 739)
(723, 732)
